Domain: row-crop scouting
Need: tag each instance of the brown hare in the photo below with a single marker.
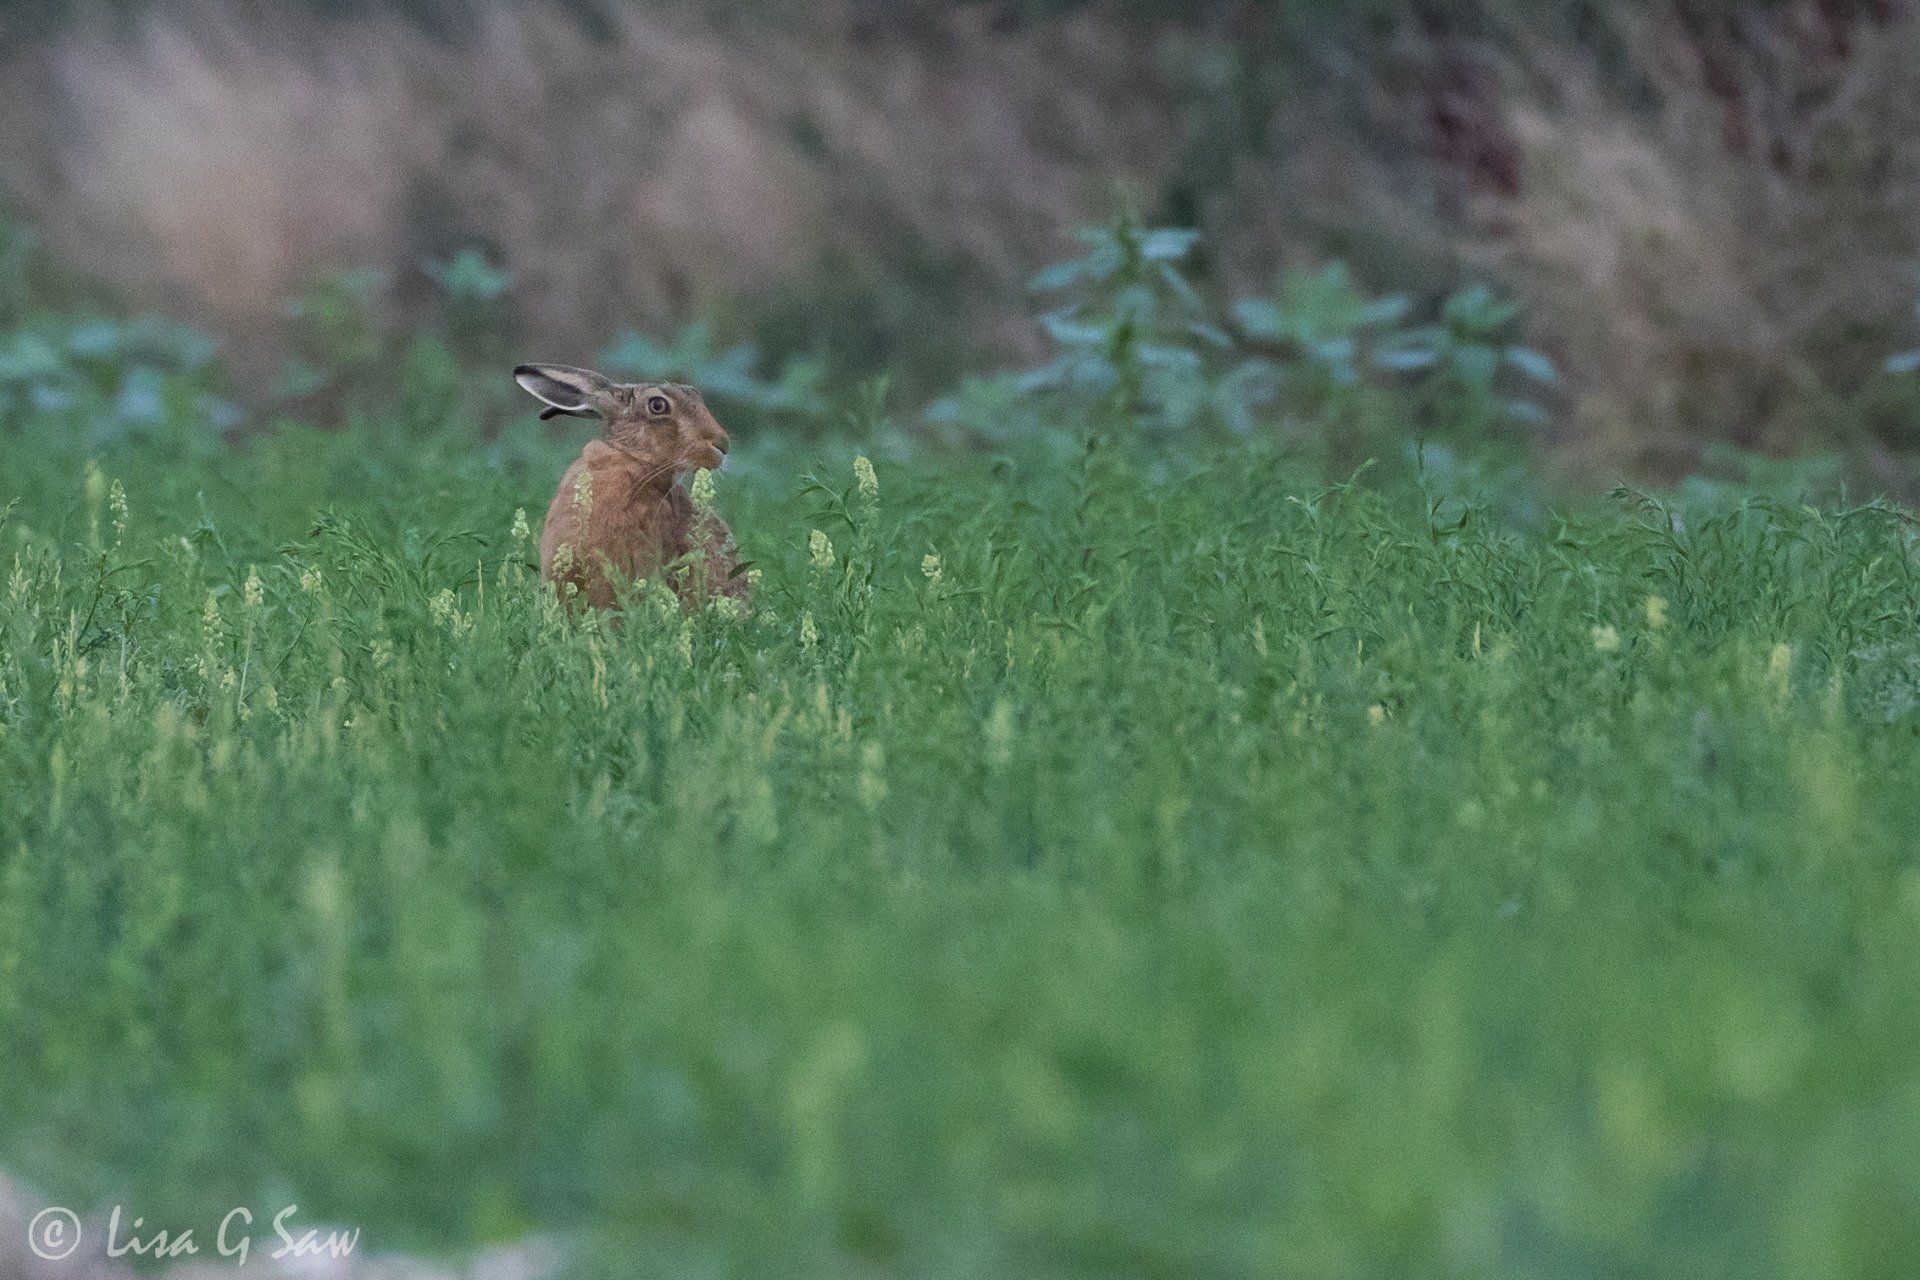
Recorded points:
(621, 513)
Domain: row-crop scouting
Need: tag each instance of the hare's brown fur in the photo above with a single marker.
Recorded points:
(633, 517)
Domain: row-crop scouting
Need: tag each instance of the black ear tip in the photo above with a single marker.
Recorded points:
(524, 370)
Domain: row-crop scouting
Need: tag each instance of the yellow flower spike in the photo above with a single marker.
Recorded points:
(117, 505)
(1606, 639)
(701, 491)
(1376, 715)
(820, 550)
(1656, 612)
(865, 479)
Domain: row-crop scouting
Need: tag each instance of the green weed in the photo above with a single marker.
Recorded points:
(1175, 867)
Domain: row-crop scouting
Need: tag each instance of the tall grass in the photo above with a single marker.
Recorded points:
(1137, 866)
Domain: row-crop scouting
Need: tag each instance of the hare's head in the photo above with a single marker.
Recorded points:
(666, 422)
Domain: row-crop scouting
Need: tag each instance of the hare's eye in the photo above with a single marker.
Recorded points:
(658, 405)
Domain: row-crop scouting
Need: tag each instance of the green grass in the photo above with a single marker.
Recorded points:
(1214, 872)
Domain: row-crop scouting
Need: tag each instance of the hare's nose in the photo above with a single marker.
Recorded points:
(721, 442)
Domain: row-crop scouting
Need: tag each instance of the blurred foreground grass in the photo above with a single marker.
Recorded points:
(1144, 867)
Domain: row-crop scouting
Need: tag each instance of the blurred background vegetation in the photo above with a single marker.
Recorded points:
(1631, 233)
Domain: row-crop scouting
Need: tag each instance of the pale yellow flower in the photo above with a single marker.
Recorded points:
(117, 504)
(868, 482)
(1606, 639)
(820, 550)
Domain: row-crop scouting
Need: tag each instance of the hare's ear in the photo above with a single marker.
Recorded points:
(564, 389)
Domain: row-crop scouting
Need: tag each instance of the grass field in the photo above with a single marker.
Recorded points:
(1143, 867)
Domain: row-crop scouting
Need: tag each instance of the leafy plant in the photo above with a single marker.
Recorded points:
(1317, 319)
(1137, 339)
(1307, 341)
(473, 296)
(1471, 364)
(341, 340)
(984, 407)
(118, 377)
(468, 278)
(336, 332)
(1135, 335)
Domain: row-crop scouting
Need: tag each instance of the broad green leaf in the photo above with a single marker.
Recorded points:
(1168, 244)
(1533, 364)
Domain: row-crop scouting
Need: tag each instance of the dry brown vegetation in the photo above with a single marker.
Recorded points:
(1709, 208)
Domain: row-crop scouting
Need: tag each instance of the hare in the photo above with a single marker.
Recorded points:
(621, 513)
